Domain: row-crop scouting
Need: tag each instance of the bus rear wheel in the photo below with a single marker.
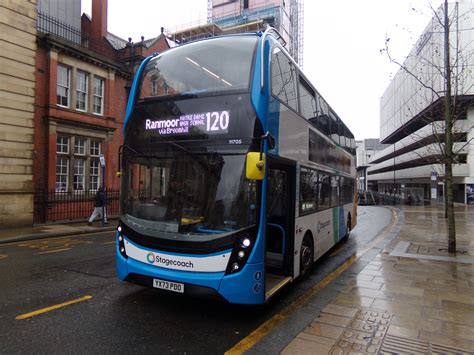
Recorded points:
(348, 229)
(306, 255)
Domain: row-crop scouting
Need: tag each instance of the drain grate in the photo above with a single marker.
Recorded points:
(395, 345)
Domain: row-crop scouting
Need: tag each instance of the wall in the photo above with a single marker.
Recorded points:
(66, 11)
(406, 97)
(17, 88)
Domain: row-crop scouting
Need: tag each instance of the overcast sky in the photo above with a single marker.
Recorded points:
(342, 42)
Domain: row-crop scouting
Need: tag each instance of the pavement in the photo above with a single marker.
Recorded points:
(402, 293)
(406, 294)
(21, 234)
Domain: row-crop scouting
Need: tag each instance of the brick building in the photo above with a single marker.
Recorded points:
(83, 73)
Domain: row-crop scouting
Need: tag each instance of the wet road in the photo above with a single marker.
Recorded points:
(112, 316)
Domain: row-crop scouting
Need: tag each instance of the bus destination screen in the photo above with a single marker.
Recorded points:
(216, 122)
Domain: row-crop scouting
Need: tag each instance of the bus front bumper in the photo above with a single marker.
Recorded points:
(244, 287)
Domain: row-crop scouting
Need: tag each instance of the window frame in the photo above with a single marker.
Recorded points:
(79, 90)
(96, 95)
(89, 174)
(67, 87)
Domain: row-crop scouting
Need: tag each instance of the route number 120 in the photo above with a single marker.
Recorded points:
(217, 121)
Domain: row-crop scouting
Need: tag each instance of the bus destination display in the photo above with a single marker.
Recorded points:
(216, 122)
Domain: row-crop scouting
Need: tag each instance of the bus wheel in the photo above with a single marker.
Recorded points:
(306, 255)
(348, 229)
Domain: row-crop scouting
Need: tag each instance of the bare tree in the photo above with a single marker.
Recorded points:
(444, 98)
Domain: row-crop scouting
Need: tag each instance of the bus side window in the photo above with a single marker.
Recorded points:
(324, 191)
(307, 102)
(284, 76)
(334, 191)
(308, 190)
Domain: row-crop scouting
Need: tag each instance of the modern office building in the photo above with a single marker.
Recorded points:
(411, 113)
(365, 150)
(237, 16)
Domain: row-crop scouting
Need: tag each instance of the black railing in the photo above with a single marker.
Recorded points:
(53, 206)
(371, 198)
(50, 25)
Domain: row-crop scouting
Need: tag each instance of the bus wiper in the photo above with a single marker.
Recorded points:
(186, 95)
(181, 148)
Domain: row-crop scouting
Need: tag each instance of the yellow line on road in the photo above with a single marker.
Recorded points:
(109, 243)
(47, 309)
(3, 256)
(53, 251)
(258, 334)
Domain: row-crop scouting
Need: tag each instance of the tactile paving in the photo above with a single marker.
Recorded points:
(364, 334)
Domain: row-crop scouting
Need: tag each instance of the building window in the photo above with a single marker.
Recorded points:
(62, 172)
(154, 87)
(94, 176)
(79, 174)
(62, 89)
(98, 98)
(80, 146)
(62, 145)
(94, 165)
(95, 148)
(81, 90)
(84, 162)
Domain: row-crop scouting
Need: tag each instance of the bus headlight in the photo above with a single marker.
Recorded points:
(121, 241)
(235, 266)
(246, 242)
(243, 245)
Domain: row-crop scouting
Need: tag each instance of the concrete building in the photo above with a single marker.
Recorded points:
(412, 113)
(17, 95)
(365, 150)
(237, 16)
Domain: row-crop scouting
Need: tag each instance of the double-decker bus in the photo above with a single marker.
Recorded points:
(236, 174)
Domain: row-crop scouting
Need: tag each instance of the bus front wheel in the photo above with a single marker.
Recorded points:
(306, 255)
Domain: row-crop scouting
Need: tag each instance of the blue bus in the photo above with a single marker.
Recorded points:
(236, 173)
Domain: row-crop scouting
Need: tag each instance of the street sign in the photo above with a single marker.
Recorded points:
(102, 159)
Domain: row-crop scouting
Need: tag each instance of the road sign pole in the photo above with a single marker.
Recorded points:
(104, 210)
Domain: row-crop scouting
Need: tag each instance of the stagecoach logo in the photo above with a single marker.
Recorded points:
(163, 261)
(322, 225)
(151, 258)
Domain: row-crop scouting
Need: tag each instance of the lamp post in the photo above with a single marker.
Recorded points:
(393, 187)
(102, 164)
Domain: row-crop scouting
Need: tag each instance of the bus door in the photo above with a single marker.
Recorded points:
(280, 224)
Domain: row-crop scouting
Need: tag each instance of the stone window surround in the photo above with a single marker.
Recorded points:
(92, 72)
(82, 131)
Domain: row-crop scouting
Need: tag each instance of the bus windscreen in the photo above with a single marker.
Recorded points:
(199, 67)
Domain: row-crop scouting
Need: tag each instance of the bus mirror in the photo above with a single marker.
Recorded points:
(271, 141)
(255, 168)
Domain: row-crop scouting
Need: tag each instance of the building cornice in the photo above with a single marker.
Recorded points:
(52, 41)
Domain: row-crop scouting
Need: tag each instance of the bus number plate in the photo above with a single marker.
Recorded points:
(168, 285)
